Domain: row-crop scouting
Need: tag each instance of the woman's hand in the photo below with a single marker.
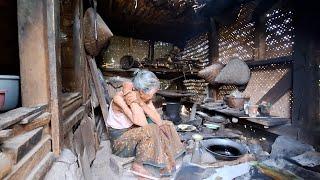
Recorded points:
(131, 97)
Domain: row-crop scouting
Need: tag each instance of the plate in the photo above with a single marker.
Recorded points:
(211, 126)
(186, 127)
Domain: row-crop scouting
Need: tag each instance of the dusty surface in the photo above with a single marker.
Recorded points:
(101, 166)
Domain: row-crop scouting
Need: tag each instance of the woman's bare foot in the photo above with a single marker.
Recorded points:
(140, 169)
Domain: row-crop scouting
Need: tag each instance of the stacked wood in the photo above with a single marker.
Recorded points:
(25, 141)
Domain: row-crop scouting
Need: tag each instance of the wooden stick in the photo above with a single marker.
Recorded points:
(142, 175)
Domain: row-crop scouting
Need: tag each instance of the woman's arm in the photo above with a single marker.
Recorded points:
(134, 113)
(151, 111)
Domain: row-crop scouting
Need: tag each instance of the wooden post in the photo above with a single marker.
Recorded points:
(260, 38)
(151, 51)
(305, 114)
(53, 27)
(213, 52)
(33, 52)
(213, 41)
(78, 45)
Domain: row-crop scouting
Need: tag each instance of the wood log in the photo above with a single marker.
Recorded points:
(54, 65)
(73, 119)
(16, 115)
(5, 165)
(68, 110)
(69, 98)
(41, 121)
(30, 118)
(20, 145)
(98, 87)
(88, 139)
(42, 168)
(5, 134)
(24, 167)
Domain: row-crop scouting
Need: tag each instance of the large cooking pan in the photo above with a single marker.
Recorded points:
(224, 149)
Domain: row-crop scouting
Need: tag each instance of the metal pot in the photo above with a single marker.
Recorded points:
(224, 149)
(235, 102)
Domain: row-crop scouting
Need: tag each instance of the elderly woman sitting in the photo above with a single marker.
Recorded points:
(136, 128)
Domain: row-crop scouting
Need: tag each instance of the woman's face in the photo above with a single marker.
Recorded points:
(146, 97)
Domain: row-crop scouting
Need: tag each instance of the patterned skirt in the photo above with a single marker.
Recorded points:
(148, 144)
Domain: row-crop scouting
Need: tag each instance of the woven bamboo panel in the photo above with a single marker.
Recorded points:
(237, 40)
(225, 90)
(120, 46)
(279, 33)
(261, 82)
(197, 87)
(197, 50)
(161, 49)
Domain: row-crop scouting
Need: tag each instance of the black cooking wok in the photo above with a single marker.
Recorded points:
(224, 149)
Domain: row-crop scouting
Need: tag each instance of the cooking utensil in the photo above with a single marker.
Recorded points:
(186, 127)
(236, 102)
(224, 149)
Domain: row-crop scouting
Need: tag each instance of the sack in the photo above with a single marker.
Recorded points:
(211, 72)
(92, 45)
(236, 72)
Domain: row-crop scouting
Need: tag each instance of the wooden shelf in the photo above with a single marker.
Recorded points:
(264, 121)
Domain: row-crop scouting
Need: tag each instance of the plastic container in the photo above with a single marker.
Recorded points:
(9, 86)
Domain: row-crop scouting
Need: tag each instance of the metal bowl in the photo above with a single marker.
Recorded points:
(224, 149)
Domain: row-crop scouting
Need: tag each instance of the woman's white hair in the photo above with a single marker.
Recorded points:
(145, 81)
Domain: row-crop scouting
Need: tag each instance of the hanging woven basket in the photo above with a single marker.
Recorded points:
(236, 72)
(94, 41)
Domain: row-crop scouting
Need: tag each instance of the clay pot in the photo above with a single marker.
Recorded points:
(235, 102)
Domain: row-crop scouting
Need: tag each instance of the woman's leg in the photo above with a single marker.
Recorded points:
(145, 143)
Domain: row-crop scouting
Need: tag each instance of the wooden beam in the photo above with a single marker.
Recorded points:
(265, 62)
(54, 52)
(19, 146)
(98, 87)
(16, 115)
(24, 167)
(42, 121)
(30, 118)
(6, 134)
(73, 119)
(306, 53)
(5, 165)
(278, 90)
(213, 41)
(42, 168)
(33, 52)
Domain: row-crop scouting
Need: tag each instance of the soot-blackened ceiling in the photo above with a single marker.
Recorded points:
(172, 21)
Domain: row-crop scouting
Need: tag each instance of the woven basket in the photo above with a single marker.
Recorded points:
(236, 72)
(93, 45)
(211, 72)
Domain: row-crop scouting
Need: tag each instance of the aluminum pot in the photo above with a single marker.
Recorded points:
(235, 102)
(224, 149)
